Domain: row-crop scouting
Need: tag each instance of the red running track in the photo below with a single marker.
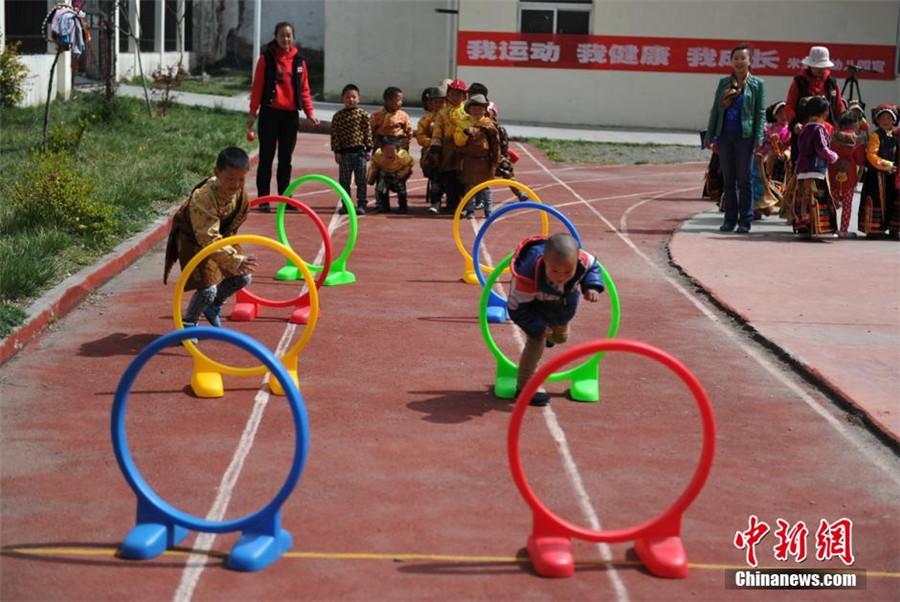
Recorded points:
(407, 494)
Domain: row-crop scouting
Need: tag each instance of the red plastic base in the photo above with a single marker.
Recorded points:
(244, 312)
(663, 556)
(300, 315)
(551, 556)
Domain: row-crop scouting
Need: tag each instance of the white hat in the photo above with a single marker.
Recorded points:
(818, 57)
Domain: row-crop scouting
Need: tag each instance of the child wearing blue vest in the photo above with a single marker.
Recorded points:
(543, 298)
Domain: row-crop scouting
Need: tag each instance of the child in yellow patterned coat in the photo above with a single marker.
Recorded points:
(215, 209)
(389, 170)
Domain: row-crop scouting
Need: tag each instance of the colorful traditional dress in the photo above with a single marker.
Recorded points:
(712, 181)
(878, 211)
(844, 173)
(769, 170)
(812, 208)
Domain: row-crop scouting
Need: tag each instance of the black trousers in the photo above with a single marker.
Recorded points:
(452, 186)
(276, 129)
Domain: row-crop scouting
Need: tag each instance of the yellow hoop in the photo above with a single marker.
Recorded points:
(247, 239)
(469, 269)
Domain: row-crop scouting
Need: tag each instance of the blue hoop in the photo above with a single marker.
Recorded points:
(154, 511)
(496, 307)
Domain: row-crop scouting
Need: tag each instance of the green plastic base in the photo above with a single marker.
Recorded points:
(288, 272)
(337, 278)
(585, 391)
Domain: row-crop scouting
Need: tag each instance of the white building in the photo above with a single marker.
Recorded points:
(636, 63)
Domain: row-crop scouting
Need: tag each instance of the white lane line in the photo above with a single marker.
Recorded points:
(196, 562)
(571, 469)
(773, 369)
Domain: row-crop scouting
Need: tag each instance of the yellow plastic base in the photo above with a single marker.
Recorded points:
(275, 387)
(207, 384)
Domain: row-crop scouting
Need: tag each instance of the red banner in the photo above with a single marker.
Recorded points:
(678, 55)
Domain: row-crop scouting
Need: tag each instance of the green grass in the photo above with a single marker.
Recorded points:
(605, 153)
(10, 317)
(143, 165)
(230, 85)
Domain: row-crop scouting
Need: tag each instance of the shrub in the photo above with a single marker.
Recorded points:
(164, 80)
(12, 76)
(65, 139)
(52, 192)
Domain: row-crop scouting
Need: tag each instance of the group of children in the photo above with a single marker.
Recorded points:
(550, 274)
(809, 188)
(462, 145)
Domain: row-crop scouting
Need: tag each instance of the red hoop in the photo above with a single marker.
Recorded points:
(302, 300)
(666, 524)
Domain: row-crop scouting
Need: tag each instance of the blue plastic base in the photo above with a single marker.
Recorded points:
(496, 312)
(255, 551)
(149, 540)
(496, 315)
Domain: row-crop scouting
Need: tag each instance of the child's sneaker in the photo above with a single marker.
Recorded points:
(214, 315)
(538, 400)
(361, 208)
(343, 210)
(264, 208)
(435, 208)
(190, 325)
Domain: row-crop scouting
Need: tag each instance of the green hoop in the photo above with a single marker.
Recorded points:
(338, 272)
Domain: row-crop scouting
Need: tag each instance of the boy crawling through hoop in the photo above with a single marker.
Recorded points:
(543, 297)
(215, 209)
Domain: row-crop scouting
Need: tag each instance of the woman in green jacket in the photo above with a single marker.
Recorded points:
(735, 126)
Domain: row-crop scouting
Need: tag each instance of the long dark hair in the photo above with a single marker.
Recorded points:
(281, 24)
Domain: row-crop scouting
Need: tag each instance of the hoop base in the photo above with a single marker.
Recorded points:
(506, 381)
(288, 272)
(244, 312)
(255, 551)
(153, 534)
(496, 311)
(663, 556)
(551, 556)
(300, 315)
(338, 277)
(149, 540)
(206, 383)
(275, 387)
(585, 390)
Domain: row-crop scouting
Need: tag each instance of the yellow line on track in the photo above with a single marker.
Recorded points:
(106, 551)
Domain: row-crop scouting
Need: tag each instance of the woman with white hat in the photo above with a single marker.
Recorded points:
(816, 80)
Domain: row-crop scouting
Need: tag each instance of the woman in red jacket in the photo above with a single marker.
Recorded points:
(280, 90)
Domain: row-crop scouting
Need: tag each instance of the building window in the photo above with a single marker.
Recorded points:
(560, 17)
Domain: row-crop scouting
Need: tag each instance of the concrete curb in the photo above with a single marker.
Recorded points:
(65, 296)
(806, 370)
